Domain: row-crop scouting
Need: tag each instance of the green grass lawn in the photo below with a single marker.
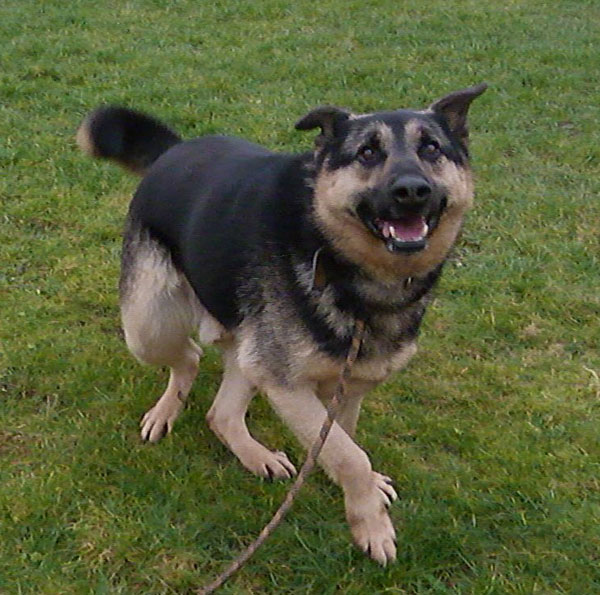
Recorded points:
(492, 433)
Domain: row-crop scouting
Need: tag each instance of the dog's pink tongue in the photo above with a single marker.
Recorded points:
(408, 229)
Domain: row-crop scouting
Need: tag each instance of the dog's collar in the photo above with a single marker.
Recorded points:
(318, 279)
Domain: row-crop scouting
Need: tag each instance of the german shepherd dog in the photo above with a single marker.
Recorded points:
(273, 257)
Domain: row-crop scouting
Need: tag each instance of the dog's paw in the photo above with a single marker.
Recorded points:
(266, 463)
(158, 421)
(369, 521)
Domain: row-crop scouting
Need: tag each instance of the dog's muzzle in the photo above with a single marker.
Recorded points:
(403, 215)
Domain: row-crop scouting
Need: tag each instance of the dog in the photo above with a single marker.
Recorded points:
(273, 257)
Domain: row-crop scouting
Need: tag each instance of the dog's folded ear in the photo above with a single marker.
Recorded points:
(326, 117)
(454, 108)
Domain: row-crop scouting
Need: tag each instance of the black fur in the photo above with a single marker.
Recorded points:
(221, 205)
(129, 137)
(224, 206)
(229, 212)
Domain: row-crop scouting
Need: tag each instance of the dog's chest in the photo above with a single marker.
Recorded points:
(314, 365)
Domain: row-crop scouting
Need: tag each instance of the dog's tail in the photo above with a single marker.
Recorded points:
(132, 139)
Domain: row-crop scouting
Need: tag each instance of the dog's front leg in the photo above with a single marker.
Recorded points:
(367, 493)
(226, 418)
(349, 410)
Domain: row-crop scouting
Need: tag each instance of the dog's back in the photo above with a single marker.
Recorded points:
(213, 202)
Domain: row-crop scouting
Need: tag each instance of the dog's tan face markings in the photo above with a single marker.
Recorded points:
(457, 180)
(391, 188)
(337, 190)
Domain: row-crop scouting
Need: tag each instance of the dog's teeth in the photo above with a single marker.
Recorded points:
(385, 230)
(393, 232)
(425, 229)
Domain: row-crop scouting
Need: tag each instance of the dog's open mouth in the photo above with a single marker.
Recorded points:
(402, 230)
(406, 234)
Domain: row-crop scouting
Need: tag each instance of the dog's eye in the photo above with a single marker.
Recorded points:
(430, 149)
(367, 154)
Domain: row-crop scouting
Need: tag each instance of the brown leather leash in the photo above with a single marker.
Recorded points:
(332, 410)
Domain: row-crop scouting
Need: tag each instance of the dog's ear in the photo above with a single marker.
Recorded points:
(326, 117)
(454, 108)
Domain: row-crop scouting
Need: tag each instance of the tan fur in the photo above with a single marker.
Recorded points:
(367, 494)
(159, 312)
(413, 130)
(226, 418)
(158, 307)
(349, 235)
(83, 139)
(334, 192)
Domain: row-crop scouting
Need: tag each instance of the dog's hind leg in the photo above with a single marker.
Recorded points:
(226, 419)
(367, 493)
(158, 420)
(159, 312)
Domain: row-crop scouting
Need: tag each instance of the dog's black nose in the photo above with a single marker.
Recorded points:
(411, 189)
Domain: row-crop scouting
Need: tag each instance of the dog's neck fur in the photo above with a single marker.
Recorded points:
(357, 293)
(330, 267)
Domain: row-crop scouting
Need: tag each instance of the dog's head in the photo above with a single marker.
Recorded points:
(391, 188)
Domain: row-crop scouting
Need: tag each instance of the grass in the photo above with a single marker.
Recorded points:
(491, 433)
